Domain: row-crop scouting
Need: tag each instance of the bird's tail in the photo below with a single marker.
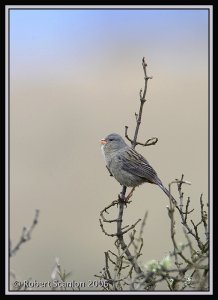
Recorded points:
(168, 193)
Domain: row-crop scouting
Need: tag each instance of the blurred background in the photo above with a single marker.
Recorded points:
(75, 77)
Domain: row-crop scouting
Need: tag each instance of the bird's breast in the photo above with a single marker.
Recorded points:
(102, 150)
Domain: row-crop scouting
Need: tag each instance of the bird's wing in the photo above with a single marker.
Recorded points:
(137, 165)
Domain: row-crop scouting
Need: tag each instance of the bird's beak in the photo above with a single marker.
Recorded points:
(103, 141)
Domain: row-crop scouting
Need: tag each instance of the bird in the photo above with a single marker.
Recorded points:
(128, 166)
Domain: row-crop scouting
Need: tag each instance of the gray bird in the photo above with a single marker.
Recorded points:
(126, 165)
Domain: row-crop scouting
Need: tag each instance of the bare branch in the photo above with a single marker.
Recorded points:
(122, 198)
(26, 234)
(204, 217)
(115, 202)
(106, 264)
(142, 100)
(149, 142)
(131, 227)
(126, 134)
(105, 232)
(143, 224)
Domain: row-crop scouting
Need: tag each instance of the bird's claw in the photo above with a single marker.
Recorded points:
(124, 200)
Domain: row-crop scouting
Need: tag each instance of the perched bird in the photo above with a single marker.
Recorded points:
(126, 165)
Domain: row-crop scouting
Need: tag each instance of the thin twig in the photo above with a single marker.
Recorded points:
(204, 217)
(106, 265)
(26, 234)
(105, 232)
(142, 100)
(143, 224)
(182, 214)
(119, 234)
(149, 142)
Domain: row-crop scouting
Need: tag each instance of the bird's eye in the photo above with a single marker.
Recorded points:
(111, 140)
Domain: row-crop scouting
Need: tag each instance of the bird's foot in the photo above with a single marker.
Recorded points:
(125, 200)
(121, 198)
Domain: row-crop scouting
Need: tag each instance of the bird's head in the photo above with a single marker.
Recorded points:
(112, 143)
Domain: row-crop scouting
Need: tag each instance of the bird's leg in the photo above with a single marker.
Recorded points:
(109, 171)
(130, 194)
